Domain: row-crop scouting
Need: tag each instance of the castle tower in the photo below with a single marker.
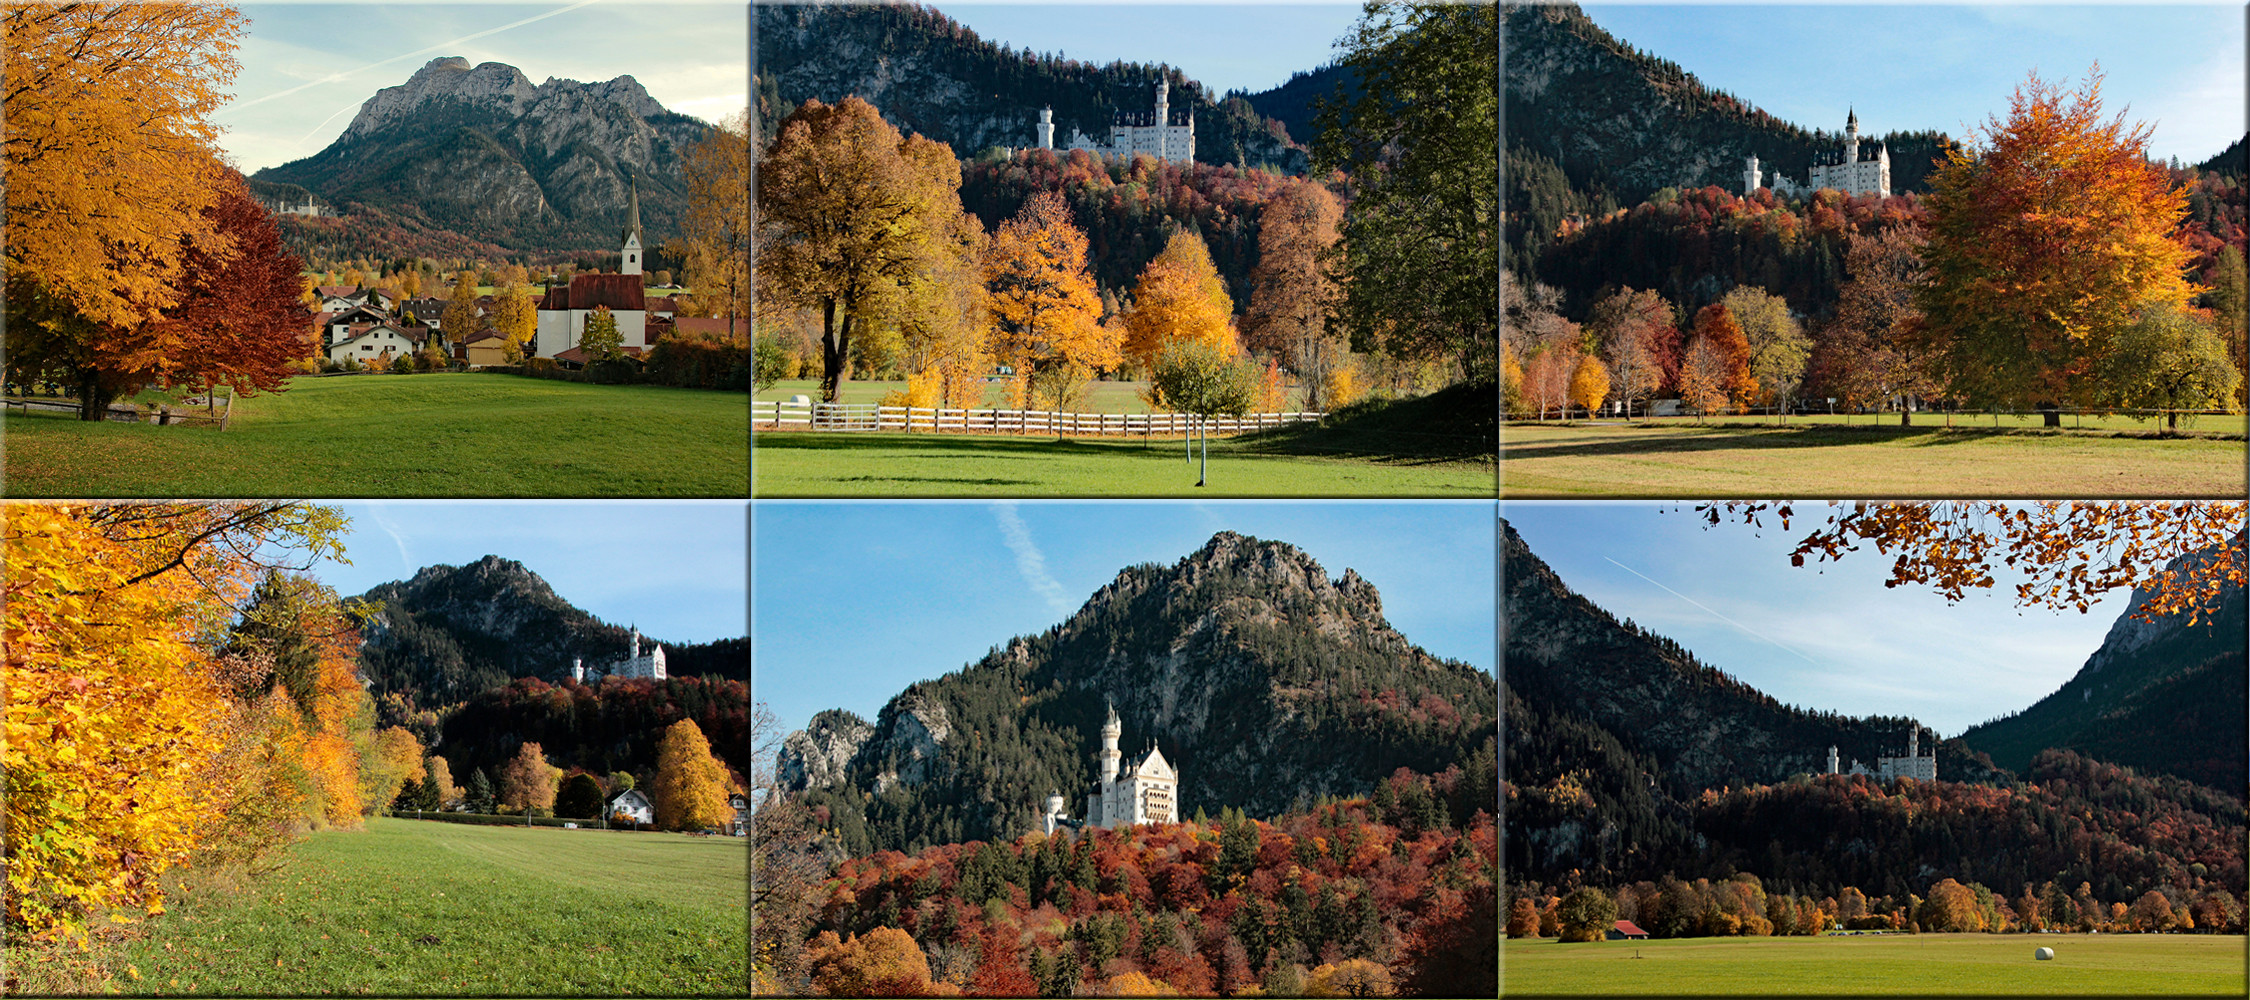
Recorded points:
(1163, 119)
(1111, 730)
(1832, 762)
(630, 255)
(1047, 128)
(1752, 177)
(1914, 742)
(636, 653)
(1851, 136)
(578, 669)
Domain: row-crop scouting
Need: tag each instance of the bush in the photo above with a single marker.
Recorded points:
(1587, 915)
(580, 797)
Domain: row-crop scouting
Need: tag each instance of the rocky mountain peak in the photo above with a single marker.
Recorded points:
(490, 85)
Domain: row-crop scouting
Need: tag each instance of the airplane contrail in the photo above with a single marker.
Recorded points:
(1714, 614)
(335, 77)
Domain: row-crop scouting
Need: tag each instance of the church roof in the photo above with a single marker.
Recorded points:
(620, 292)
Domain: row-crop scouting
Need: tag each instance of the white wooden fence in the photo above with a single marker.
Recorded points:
(784, 415)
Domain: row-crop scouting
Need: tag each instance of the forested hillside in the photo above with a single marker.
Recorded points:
(1265, 682)
(931, 75)
(613, 725)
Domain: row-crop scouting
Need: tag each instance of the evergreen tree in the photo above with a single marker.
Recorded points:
(480, 792)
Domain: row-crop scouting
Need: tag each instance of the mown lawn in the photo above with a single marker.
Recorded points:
(1827, 459)
(457, 435)
(1101, 397)
(443, 909)
(1920, 964)
(820, 464)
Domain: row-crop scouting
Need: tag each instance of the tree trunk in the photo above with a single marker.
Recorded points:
(835, 352)
(2051, 415)
(2172, 420)
(93, 397)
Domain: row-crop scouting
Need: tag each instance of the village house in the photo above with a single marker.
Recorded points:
(378, 342)
(633, 805)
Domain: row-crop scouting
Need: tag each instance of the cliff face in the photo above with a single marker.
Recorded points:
(483, 151)
(1264, 680)
(2162, 696)
(928, 74)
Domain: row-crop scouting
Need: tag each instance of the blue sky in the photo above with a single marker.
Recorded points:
(1252, 47)
(853, 601)
(675, 568)
(1929, 66)
(1826, 636)
(694, 58)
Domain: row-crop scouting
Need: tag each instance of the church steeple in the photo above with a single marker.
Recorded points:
(630, 254)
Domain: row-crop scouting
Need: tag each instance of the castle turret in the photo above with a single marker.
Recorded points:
(578, 669)
(636, 648)
(1914, 742)
(1851, 136)
(1047, 128)
(1111, 730)
(1832, 761)
(1752, 177)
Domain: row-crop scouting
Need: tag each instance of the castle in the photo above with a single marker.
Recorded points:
(1154, 134)
(1849, 172)
(1148, 792)
(634, 664)
(1913, 765)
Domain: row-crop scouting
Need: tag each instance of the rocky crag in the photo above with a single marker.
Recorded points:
(1265, 681)
(482, 151)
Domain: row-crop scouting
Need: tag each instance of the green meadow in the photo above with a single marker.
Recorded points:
(444, 909)
(1889, 965)
(1833, 458)
(462, 434)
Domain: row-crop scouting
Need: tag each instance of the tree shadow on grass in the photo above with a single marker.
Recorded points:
(1734, 439)
(989, 481)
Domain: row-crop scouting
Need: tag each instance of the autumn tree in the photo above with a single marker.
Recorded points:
(1044, 310)
(396, 757)
(847, 206)
(1715, 327)
(1870, 348)
(1589, 384)
(1778, 347)
(2048, 234)
(884, 962)
(943, 322)
(1178, 299)
(714, 240)
(438, 776)
(1419, 256)
(527, 781)
(690, 790)
(1586, 914)
(1634, 330)
(1704, 375)
(601, 341)
(460, 317)
(2229, 302)
(112, 178)
(515, 316)
(1292, 295)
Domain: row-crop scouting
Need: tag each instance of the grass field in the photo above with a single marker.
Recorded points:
(409, 907)
(802, 463)
(1829, 459)
(1924, 964)
(459, 435)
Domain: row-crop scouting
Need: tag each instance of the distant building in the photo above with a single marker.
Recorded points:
(1147, 792)
(373, 343)
(1911, 765)
(1849, 171)
(563, 311)
(635, 664)
(1155, 134)
(1625, 930)
(633, 805)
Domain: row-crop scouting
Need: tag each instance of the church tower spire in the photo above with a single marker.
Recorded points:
(630, 255)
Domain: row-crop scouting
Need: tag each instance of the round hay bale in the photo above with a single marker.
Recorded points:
(2044, 954)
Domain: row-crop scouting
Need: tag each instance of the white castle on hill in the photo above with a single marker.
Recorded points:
(1148, 792)
(1913, 765)
(649, 667)
(1154, 134)
(1849, 173)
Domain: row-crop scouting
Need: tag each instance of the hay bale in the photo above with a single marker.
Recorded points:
(2044, 954)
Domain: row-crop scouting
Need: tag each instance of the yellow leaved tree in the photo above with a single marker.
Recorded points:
(1179, 298)
(690, 790)
(1045, 312)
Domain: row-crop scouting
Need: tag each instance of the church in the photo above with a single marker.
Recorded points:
(1849, 171)
(563, 311)
(1147, 792)
(1154, 134)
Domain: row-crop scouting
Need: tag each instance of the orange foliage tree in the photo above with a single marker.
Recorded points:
(1045, 312)
(1716, 326)
(119, 720)
(884, 962)
(1179, 298)
(2045, 239)
(527, 781)
(690, 790)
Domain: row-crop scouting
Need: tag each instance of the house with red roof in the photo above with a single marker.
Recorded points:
(563, 311)
(1624, 930)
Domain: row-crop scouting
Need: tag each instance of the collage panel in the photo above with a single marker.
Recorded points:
(1965, 747)
(377, 250)
(401, 748)
(1125, 748)
(1926, 250)
(1126, 249)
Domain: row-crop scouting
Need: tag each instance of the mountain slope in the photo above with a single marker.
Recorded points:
(2161, 696)
(1620, 120)
(451, 632)
(1266, 683)
(482, 152)
(928, 74)
(1701, 727)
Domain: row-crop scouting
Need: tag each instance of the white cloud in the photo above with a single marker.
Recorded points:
(1029, 560)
